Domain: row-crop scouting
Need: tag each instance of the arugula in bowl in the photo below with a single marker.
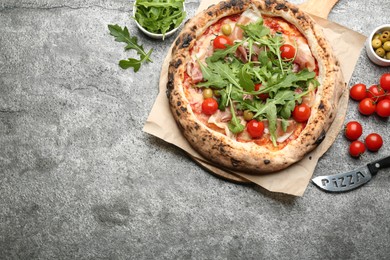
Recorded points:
(159, 17)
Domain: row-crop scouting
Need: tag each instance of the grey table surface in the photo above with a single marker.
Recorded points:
(79, 179)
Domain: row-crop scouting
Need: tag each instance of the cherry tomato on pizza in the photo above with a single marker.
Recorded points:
(353, 130)
(221, 42)
(373, 142)
(367, 106)
(287, 51)
(301, 113)
(209, 106)
(255, 128)
(356, 148)
(262, 96)
(383, 108)
(376, 93)
(384, 81)
(358, 92)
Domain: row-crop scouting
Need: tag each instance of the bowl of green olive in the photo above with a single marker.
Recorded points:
(378, 45)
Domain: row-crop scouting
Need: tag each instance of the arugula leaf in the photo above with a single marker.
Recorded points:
(245, 78)
(212, 78)
(134, 63)
(271, 114)
(285, 124)
(287, 109)
(225, 71)
(235, 125)
(261, 34)
(222, 53)
(159, 16)
(256, 30)
(123, 35)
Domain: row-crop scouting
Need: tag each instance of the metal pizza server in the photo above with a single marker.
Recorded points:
(347, 181)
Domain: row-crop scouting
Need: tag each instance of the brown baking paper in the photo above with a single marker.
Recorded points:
(295, 178)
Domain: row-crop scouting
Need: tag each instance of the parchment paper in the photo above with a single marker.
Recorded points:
(347, 45)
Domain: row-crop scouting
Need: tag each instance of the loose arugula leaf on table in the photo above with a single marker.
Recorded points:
(123, 35)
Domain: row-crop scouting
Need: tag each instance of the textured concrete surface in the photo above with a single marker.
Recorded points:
(80, 180)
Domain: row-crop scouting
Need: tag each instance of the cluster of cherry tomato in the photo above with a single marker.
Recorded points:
(372, 100)
(375, 99)
(353, 131)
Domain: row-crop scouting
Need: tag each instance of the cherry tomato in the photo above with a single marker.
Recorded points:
(287, 51)
(255, 128)
(384, 81)
(301, 113)
(367, 106)
(358, 92)
(221, 41)
(353, 130)
(383, 108)
(376, 93)
(356, 148)
(373, 142)
(209, 106)
(262, 96)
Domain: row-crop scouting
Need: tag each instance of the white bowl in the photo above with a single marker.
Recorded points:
(158, 36)
(370, 50)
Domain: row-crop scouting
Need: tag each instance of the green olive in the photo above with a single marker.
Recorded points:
(386, 46)
(226, 29)
(380, 52)
(217, 93)
(385, 36)
(376, 43)
(248, 115)
(376, 36)
(388, 55)
(207, 93)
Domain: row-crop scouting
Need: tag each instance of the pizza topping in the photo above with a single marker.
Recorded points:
(304, 56)
(194, 71)
(287, 52)
(221, 42)
(226, 29)
(257, 79)
(247, 17)
(301, 113)
(284, 133)
(221, 119)
(209, 106)
(255, 128)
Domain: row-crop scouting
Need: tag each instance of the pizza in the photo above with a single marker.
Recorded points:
(253, 84)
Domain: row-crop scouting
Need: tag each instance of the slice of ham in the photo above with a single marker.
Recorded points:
(281, 135)
(200, 52)
(194, 71)
(247, 17)
(221, 119)
(309, 98)
(195, 98)
(304, 57)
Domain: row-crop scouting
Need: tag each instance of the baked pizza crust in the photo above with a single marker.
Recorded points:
(250, 157)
